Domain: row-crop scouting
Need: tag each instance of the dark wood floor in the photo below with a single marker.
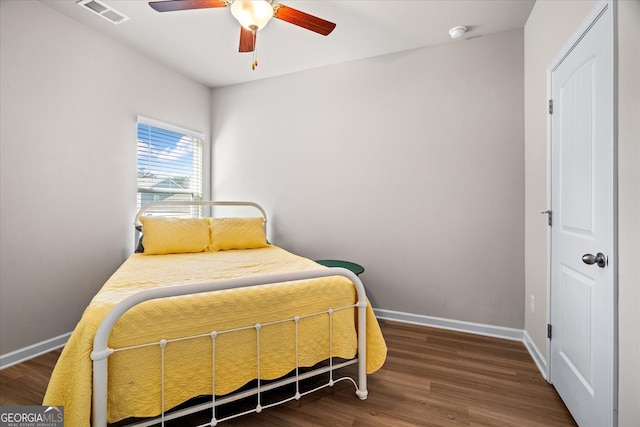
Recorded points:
(432, 377)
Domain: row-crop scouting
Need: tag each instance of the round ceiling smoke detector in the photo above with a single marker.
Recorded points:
(457, 32)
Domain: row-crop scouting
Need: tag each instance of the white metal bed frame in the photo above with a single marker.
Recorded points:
(101, 350)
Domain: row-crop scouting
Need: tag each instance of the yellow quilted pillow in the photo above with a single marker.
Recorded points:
(237, 233)
(166, 235)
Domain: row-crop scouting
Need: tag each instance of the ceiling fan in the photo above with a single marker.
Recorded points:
(252, 15)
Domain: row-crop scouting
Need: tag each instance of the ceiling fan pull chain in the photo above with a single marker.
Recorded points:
(254, 64)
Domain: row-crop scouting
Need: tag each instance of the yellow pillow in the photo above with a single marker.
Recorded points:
(237, 233)
(166, 235)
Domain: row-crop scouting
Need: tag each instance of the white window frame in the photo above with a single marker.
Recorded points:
(197, 171)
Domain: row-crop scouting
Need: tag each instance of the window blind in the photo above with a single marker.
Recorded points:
(169, 161)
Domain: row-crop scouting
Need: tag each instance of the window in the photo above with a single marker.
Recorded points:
(169, 163)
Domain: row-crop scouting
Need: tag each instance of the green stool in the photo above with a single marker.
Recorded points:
(356, 268)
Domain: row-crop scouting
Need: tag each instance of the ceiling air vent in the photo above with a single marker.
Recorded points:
(104, 11)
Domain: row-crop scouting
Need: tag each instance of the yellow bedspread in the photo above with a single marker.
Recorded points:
(134, 376)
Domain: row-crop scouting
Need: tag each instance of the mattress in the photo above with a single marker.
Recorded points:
(134, 375)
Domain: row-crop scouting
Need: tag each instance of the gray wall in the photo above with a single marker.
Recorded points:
(629, 211)
(68, 162)
(549, 26)
(411, 164)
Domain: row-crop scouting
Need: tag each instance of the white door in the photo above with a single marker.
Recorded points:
(583, 304)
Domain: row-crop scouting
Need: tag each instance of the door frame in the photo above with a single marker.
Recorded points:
(566, 49)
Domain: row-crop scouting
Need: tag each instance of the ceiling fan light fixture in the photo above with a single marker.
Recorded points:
(252, 14)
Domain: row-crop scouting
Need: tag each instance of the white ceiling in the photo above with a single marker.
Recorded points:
(203, 44)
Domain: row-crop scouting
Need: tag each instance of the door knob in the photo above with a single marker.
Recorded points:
(598, 258)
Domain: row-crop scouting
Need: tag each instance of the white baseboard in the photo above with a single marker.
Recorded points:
(454, 325)
(471, 328)
(35, 350)
(537, 356)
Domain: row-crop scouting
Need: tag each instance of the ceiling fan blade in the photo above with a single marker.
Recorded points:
(173, 5)
(304, 20)
(247, 41)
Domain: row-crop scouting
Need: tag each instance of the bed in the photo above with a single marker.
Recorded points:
(210, 308)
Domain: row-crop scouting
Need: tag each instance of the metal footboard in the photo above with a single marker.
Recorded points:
(101, 350)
